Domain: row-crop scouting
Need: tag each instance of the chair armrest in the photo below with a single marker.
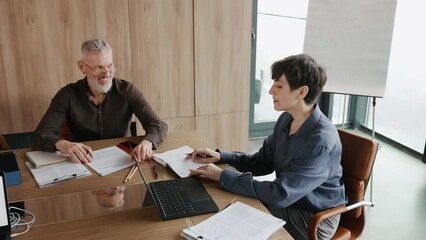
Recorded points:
(359, 204)
(317, 218)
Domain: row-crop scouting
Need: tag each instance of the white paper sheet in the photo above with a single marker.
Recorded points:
(352, 39)
(238, 221)
(110, 160)
(176, 160)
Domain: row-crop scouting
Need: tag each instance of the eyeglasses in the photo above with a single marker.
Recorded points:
(100, 69)
(111, 191)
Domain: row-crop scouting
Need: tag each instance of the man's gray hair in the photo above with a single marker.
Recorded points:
(96, 45)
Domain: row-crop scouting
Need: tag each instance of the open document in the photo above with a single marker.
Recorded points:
(110, 160)
(56, 173)
(175, 159)
(238, 221)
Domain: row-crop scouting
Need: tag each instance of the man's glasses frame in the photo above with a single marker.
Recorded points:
(100, 69)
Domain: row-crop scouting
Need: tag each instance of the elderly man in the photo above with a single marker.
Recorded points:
(99, 106)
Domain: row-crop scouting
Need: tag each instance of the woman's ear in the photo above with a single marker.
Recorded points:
(303, 91)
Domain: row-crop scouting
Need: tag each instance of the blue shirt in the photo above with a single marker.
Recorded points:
(307, 166)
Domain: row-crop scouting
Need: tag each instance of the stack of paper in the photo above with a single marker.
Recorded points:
(238, 221)
(56, 173)
(51, 168)
(175, 159)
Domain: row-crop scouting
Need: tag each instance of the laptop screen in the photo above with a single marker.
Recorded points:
(4, 215)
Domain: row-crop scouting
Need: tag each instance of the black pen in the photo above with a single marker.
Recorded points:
(65, 178)
(154, 172)
(202, 155)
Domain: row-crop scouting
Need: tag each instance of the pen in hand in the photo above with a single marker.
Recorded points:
(201, 155)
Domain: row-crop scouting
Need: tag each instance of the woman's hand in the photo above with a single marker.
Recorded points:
(204, 155)
(210, 171)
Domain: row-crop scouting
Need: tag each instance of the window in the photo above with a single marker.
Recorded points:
(280, 31)
(401, 113)
(340, 109)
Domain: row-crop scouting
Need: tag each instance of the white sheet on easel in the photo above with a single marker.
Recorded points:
(352, 39)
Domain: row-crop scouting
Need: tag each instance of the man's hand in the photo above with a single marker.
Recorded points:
(143, 151)
(77, 152)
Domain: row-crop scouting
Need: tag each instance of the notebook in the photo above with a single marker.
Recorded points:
(42, 158)
(178, 198)
(5, 225)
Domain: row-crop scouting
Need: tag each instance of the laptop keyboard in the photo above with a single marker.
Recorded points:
(173, 200)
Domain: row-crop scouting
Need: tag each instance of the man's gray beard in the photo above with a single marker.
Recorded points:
(99, 88)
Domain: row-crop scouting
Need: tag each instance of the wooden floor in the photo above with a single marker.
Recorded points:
(399, 195)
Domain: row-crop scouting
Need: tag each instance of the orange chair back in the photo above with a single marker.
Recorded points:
(3, 144)
(358, 155)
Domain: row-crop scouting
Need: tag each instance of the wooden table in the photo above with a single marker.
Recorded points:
(71, 210)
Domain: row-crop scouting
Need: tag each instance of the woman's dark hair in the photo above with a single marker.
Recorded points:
(301, 70)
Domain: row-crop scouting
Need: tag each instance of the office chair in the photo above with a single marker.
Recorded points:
(358, 156)
(18, 140)
(23, 139)
(3, 144)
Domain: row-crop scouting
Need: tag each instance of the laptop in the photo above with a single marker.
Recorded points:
(5, 227)
(178, 198)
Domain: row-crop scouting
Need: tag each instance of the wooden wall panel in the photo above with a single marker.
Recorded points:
(162, 54)
(40, 46)
(228, 131)
(222, 55)
(175, 124)
(191, 58)
(222, 33)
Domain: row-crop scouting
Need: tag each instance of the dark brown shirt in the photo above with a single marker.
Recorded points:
(87, 121)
